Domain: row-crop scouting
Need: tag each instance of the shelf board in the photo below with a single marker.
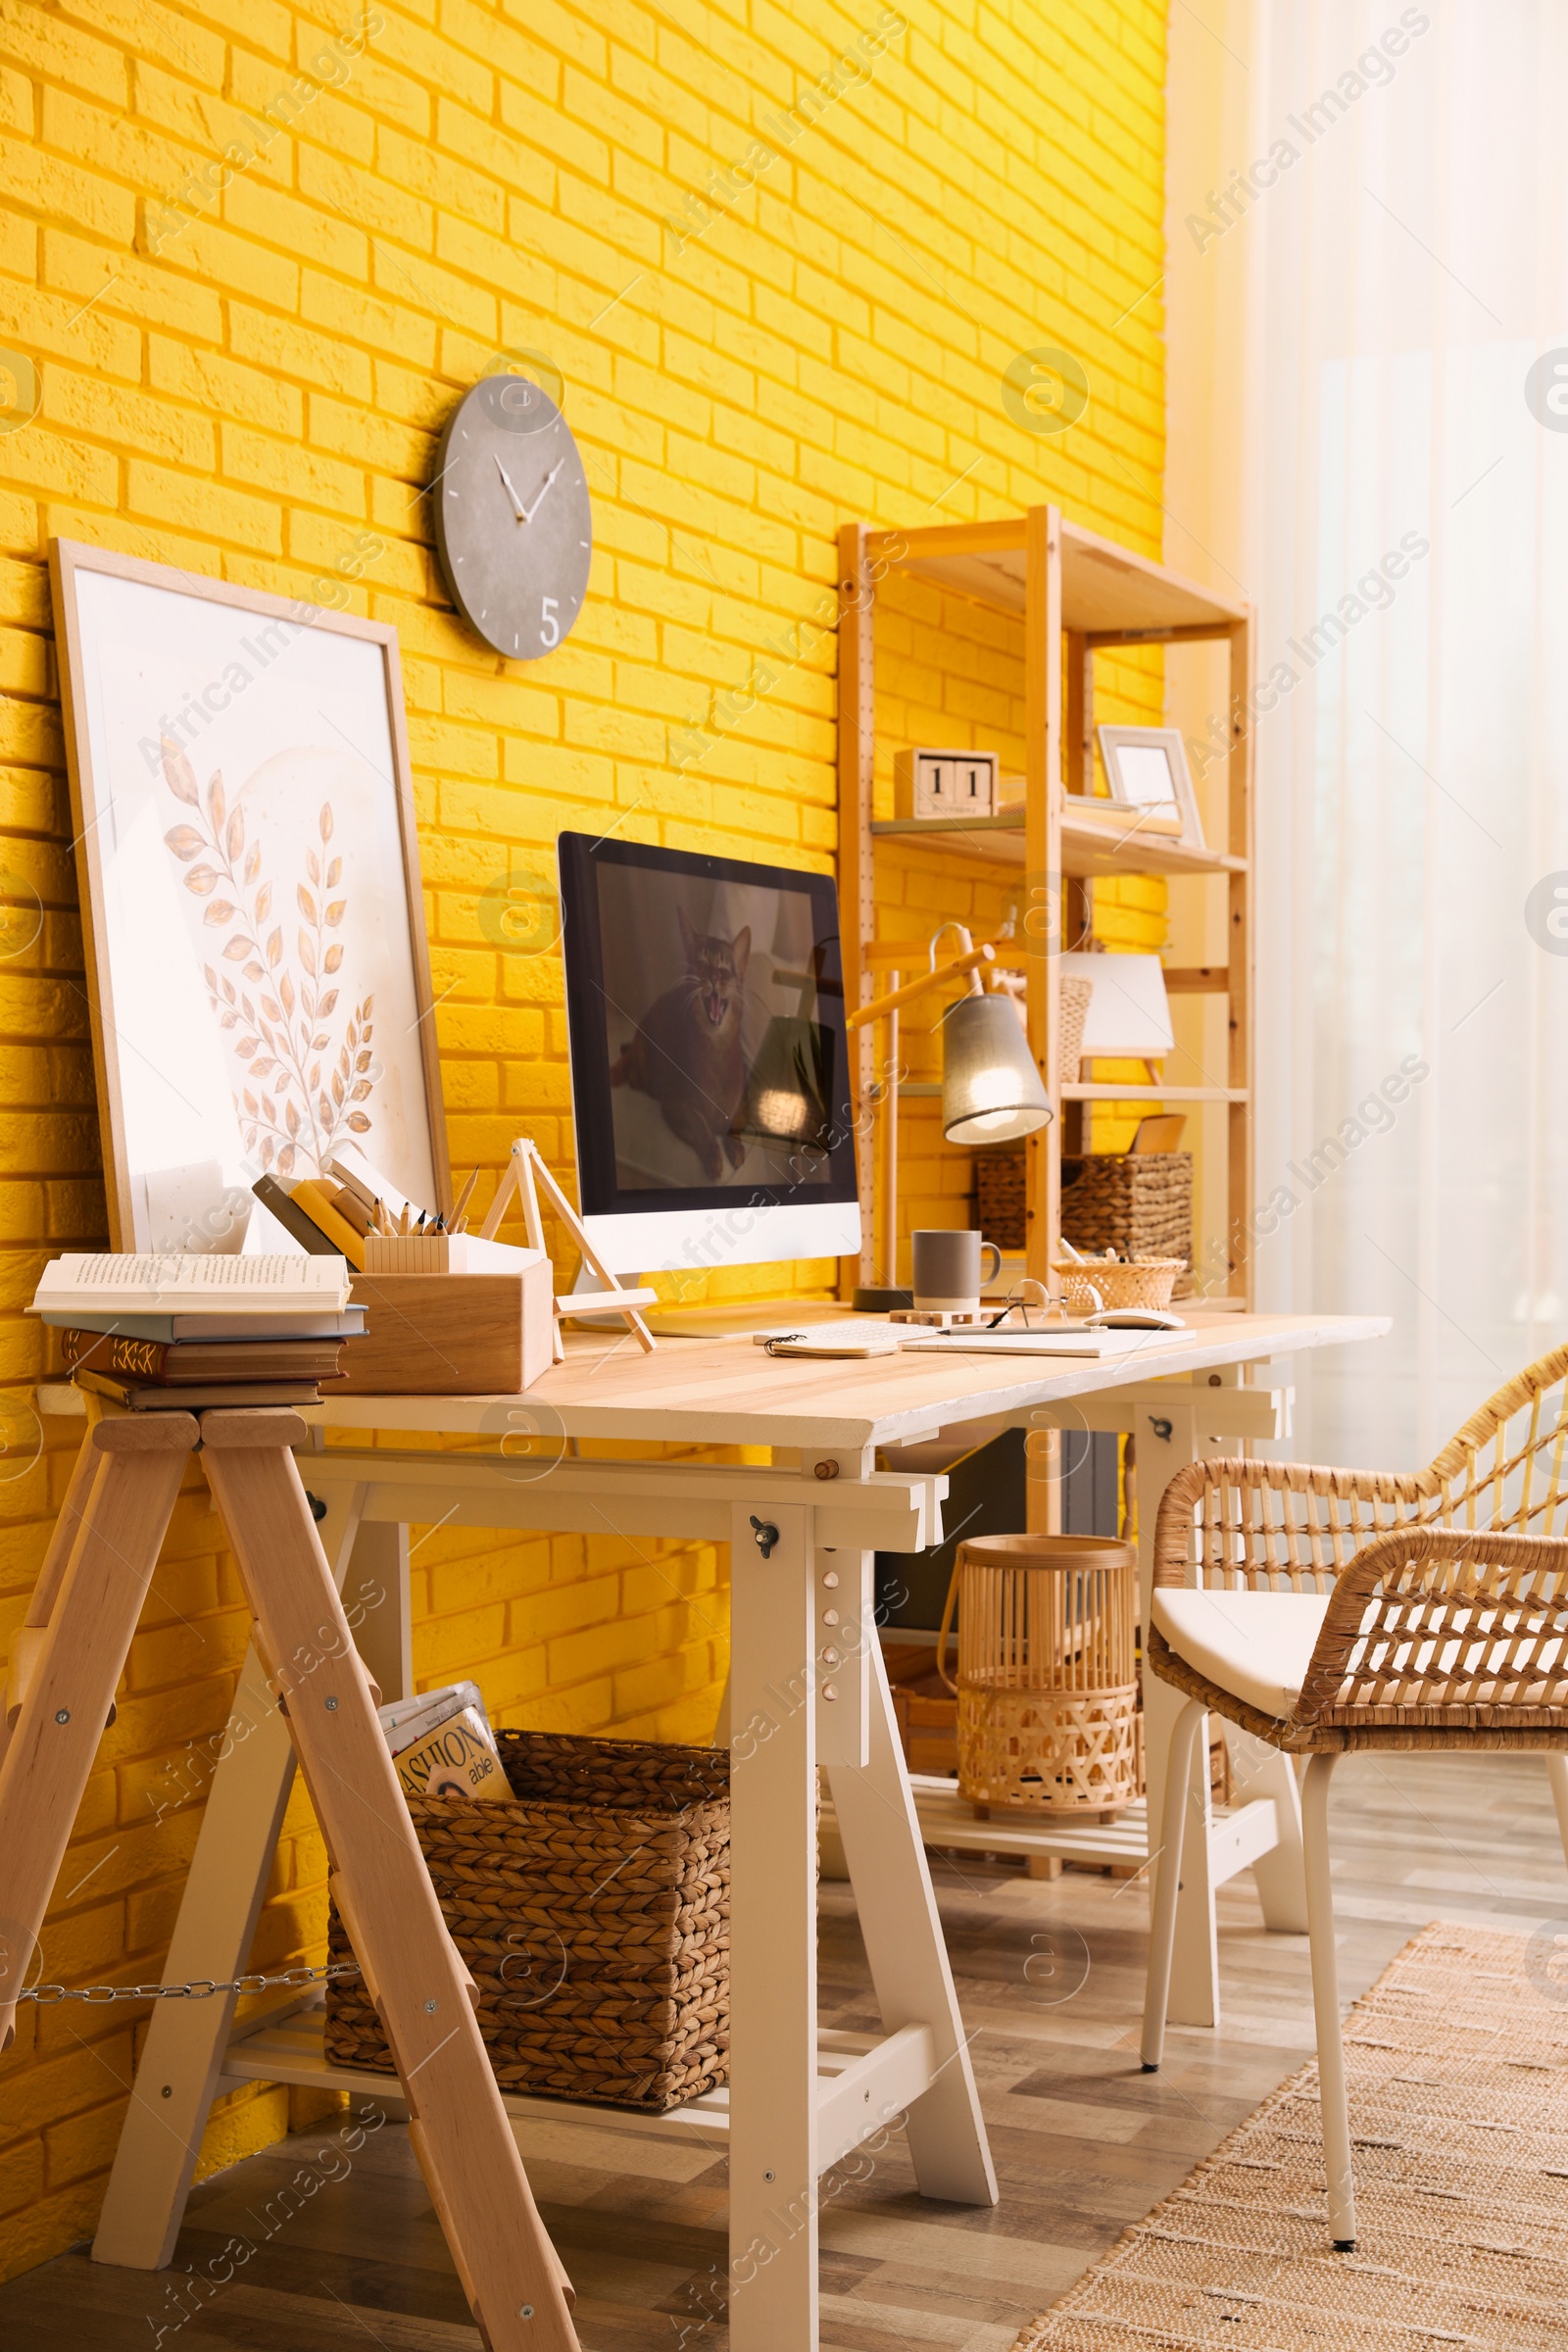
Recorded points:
(1089, 845)
(1105, 589)
(291, 2048)
(993, 840)
(1112, 845)
(1114, 1092)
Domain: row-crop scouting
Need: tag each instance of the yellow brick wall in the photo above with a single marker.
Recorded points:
(250, 254)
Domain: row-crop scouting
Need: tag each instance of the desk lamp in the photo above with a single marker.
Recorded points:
(991, 1089)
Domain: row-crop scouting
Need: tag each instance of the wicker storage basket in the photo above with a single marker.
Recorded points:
(1146, 1282)
(1001, 1185)
(1047, 1682)
(594, 1916)
(1139, 1203)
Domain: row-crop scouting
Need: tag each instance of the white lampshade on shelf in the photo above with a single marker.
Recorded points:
(991, 1089)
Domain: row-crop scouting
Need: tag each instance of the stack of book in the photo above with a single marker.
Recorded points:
(185, 1332)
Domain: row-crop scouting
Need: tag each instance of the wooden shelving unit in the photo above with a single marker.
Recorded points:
(1075, 595)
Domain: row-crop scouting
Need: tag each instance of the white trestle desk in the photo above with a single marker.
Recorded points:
(798, 2101)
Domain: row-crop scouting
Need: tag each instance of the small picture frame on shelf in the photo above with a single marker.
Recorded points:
(936, 784)
(1147, 768)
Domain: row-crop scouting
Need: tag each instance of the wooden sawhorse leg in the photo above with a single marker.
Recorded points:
(183, 2055)
(513, 2282)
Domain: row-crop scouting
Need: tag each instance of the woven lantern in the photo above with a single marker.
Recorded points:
(1046, 1682)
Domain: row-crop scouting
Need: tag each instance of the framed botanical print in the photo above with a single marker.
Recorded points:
(252, 913)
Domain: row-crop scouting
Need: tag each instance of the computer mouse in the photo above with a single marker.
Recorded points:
(1135, 1318)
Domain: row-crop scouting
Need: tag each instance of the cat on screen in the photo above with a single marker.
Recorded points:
(686, 1054)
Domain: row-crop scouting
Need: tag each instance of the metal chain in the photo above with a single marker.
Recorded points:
(202, 1990)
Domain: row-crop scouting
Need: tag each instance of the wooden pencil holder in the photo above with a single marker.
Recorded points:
(1046, 1681)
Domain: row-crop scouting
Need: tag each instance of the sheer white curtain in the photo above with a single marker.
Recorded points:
(1409, 535)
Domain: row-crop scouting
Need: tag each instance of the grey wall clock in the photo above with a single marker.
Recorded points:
(513, 525)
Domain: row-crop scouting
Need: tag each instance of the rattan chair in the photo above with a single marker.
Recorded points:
(1333, 1611)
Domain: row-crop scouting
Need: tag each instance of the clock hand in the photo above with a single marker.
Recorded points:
(517, 504)
(533, 511)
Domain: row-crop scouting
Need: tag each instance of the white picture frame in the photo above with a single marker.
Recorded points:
(1147, 768)
(253, 920)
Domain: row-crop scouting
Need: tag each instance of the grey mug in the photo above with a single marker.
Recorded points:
(947, 1269)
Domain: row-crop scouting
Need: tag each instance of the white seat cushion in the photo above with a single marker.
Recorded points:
(1257, 1646)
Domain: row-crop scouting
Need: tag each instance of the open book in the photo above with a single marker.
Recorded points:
(89, 1282)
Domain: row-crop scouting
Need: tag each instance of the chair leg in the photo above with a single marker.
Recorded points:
(1332, 2101)
(1557, 1774)
(1168, 1881)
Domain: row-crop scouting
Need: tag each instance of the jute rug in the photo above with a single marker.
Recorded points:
(1458, 2073)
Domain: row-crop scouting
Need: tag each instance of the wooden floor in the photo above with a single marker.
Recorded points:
(1051, 1978)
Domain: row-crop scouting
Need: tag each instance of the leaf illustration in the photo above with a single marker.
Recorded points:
(178, 774)
(282, 1038)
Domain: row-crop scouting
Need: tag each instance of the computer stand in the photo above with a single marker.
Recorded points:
(100, 1563)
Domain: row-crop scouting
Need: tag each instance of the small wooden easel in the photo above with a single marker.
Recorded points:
(99, 1564)
(522, 1171)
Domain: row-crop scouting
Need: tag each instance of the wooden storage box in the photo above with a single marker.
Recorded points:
(450, 1335)
(593, 1914)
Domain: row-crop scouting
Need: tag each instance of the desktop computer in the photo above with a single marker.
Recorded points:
(710, 1067)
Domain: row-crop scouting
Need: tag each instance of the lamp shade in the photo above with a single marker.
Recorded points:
(991, 1089)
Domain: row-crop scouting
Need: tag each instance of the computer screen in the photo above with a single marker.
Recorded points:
(704, 1004)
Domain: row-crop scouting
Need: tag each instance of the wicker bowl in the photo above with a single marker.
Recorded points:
(1140, 1282)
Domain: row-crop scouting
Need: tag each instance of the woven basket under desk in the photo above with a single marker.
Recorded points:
(593, 1914)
